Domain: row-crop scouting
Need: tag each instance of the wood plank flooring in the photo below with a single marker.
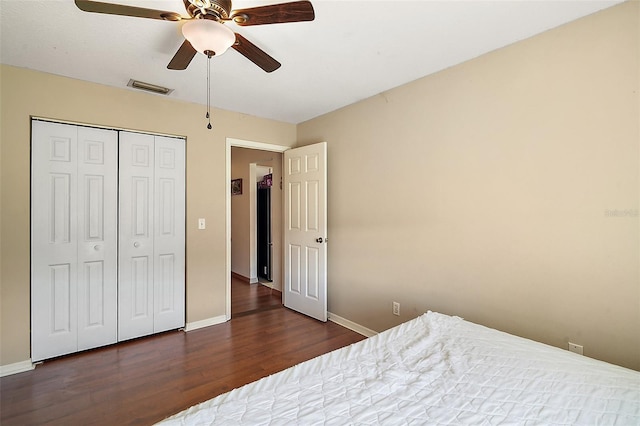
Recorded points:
(148, 379)
(249, 298)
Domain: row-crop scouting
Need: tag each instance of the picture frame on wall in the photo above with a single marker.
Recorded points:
(236, 186)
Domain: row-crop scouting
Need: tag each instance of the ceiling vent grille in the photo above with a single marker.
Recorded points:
(148, 87)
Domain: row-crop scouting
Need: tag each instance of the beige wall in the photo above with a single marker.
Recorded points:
(24, 93)
(241, 158)
(489, 191)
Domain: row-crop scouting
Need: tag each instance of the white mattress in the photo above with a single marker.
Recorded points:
(435, 369)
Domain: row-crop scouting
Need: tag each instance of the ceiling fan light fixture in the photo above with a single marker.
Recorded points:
(207, 35)
(201, 4)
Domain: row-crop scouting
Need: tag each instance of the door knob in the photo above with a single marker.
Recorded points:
(136, 244)
(96, 247)
(319, 240)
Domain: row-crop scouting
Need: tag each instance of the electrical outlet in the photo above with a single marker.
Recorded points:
(575, 348)
(396, 308)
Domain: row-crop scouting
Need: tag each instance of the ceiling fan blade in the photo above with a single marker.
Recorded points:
(255, 54)
(183, 57)
(119, 9)
(296, 11)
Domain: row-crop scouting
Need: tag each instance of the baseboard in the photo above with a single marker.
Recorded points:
(205, 323)
(269, 285)
(17, 367)
(243, 278)
(351, 325)
(239, 277)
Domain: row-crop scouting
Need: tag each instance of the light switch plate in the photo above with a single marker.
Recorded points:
(201, 223)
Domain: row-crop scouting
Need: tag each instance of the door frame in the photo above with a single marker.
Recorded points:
(239, 143)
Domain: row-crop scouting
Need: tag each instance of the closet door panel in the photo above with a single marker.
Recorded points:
(107, 237)
(169, 234)
(136, 245)
(54, 248)
(97, 237)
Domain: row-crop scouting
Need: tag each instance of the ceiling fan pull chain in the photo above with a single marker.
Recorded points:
(209, 90)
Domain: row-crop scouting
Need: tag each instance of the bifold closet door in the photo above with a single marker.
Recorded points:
(73, 238)
(151, 235)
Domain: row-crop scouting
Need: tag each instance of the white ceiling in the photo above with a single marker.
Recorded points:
(353, 49)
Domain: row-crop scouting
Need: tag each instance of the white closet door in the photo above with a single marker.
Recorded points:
(152, 236)
(169, 234)
(66, 199)
(135, 256)
(97, 237)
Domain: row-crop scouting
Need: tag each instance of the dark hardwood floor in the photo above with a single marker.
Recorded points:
(249, 298)
(148, 379)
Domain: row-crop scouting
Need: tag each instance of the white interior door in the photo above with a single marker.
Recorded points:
(152, 239)
(54, 243)
(135, 256)
(305, 233)
(169, 234)
(73, 240)
(99, 274)
(97, 237)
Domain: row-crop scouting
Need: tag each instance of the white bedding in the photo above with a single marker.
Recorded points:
(435, 369)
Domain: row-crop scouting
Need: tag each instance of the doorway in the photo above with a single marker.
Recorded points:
(242, 259)
(247, 299)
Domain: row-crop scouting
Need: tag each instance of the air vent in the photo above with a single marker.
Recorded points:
(141, 85)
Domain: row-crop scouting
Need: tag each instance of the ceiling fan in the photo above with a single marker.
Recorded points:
(206, 33)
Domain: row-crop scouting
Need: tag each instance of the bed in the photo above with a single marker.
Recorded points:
(435, 369)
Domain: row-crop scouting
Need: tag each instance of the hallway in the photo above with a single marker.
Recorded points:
(247, 299)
